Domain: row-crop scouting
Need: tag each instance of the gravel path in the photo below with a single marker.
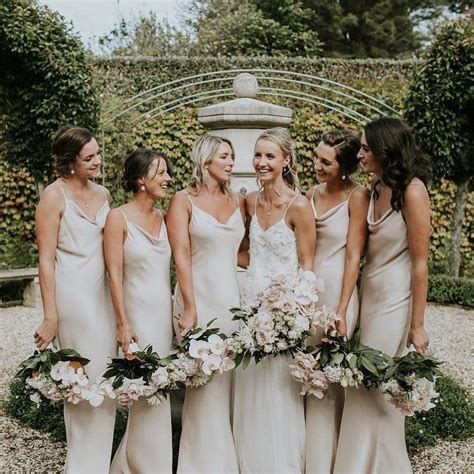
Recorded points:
(451, 331)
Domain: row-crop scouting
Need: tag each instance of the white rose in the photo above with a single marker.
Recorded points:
(199, 349)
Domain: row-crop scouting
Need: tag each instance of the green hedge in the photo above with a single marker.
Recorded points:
(448, 290)
(451, 419)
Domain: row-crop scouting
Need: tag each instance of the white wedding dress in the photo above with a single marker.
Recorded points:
(269, 426)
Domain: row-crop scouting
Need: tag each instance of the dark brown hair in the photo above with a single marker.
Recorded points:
(137, 165)
(395, 147)
(346, 145)
(67, 144)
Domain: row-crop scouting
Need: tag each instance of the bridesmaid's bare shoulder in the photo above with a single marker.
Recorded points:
(360, 194)
(416, 193)
(299, 204)
(250, 200)
(52, 197)
(180, 201)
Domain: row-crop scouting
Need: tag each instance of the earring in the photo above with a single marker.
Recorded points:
(72, 171)
(286, 170)
(142, 187)
(343, 177)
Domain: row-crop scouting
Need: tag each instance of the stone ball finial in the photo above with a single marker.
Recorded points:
(245, 85)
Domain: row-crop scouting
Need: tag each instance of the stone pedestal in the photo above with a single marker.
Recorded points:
(241, 121)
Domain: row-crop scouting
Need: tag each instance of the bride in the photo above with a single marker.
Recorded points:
(269, 426)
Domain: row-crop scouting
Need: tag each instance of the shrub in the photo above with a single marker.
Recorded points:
(452, 419)
(46, 82)
(451, 290)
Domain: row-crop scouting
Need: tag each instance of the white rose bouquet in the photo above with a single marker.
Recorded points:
(202, 353)
(140, 374)
(410, 383)
(338, 360)
(59, 376)
(286, 314)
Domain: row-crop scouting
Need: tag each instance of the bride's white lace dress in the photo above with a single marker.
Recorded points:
(269, 427)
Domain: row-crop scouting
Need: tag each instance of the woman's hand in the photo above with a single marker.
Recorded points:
(125, 335)
(341, 324)
(419, 339)
(45, 333)
(187, 321)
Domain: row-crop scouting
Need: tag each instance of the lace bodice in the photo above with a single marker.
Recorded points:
(272, 252)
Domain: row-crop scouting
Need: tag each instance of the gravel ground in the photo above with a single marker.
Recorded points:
(451, 331)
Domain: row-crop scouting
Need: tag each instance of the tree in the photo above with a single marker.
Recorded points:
(46, 82)
(235, 28)
(439, 106)
(146, 36)
(366, 28)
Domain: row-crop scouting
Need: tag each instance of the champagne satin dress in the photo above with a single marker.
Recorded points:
(146, 445)
(372, 435)
(207, 443)
(86, 324)
(323, 417)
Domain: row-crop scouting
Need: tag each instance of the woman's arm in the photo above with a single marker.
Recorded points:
(115, 233)
(47, 219)
(177, 219)
(416, 211)
(356, 240)
(243, 258)
(302, 221)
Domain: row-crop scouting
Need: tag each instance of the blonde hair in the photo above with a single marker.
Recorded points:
(281, 137)
(204, 151)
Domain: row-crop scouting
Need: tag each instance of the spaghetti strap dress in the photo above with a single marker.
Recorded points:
(207, 443)
(146, 445)
(372, 435)
(323, 417)
(86, 323)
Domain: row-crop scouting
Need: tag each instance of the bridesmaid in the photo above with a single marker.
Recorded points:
(393, 292)
(70, 218)
(137, 254)
(340, 210)
(269, 426)
(206, 227)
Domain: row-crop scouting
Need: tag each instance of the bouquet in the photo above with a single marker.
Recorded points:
(140, 374)
(59, 376)
(286, 313)
(340, 360)
(410, 383)
(202, 353)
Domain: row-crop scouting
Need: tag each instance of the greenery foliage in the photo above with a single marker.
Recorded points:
(440, 101)
(46, 81)
(305, 28)
(18, 198)
(445, 289)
